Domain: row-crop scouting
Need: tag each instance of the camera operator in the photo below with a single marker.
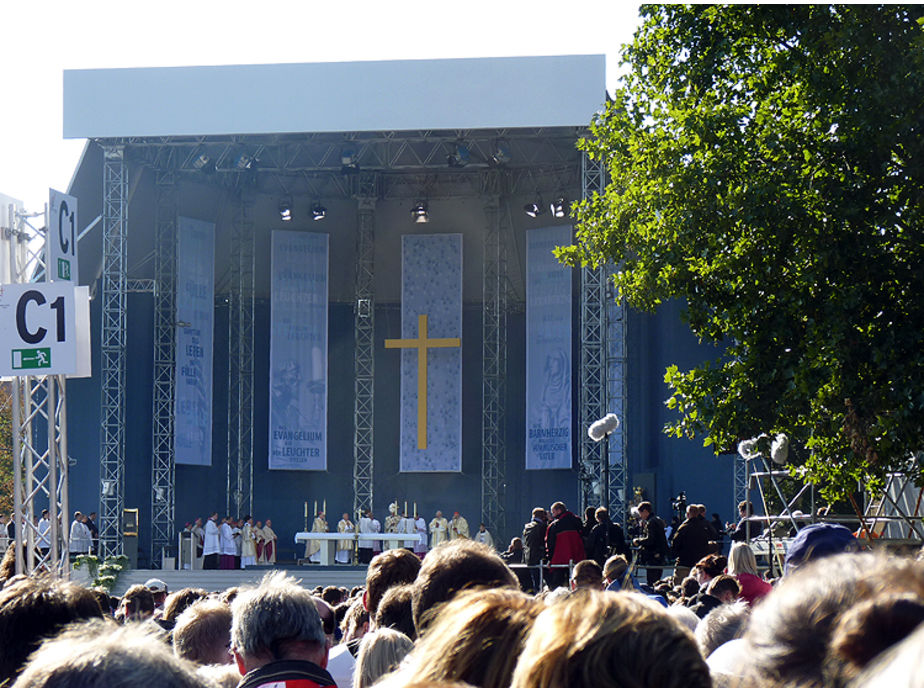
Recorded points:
(652, 543)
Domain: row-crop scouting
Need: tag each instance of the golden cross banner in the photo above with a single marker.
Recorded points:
(422, 343)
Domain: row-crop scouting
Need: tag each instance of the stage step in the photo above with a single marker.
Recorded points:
(218, 580)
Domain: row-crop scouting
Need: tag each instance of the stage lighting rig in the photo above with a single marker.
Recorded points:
(348, 159)
(285, 209)
(534, 209)
(559, 207)
(419, 213)
(501, 153)
(318, 211)
(460, 157)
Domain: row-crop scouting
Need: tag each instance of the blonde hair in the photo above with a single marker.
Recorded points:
(475, 638)
(609, 639)
(741, 560)
(380, 652)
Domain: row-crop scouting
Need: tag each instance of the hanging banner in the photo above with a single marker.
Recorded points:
(548, 351)
(431, 358)
(195, 317)
(298, 351)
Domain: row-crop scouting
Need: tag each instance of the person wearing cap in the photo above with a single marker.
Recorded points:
(158, 589)
(817, 541)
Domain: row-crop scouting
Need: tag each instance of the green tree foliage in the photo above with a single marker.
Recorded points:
(6, 450)
(767, 169)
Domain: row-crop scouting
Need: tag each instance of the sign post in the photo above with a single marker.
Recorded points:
(38, 329)
(61, 240)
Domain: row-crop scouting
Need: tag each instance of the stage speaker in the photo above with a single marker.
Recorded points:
(130, 536)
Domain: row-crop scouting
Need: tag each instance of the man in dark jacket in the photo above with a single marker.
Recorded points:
(606, 538)
(652, 544)
(690, 542)
(534, 544)
(563, 543)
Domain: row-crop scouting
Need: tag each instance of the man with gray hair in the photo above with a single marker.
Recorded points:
(277, 636)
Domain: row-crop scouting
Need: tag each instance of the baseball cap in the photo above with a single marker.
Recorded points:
(817, 541)
(156, 586)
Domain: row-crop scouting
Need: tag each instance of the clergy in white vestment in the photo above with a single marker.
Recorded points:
(393, 520)
(80, 538)
(313, 546)
(439, 530)
(420, 525)
(344, 546)
(407, 526)
(211, 544)
(377, 543)
(248, 544)
(44, 533)
(458, 527)
(484, 536)
(366, 526)
(228, 547)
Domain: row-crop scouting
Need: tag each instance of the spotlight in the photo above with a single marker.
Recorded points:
(558, 207)
(318, 211)
(501, 153)
(285, 209)
(460, 157)
(419, 213)
(201, 161)
(534, 209)
(160, 494)
(109, 488)
(348, 159)
(243, 161)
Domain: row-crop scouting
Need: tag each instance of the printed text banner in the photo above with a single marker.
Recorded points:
(548, 351)
(298, 351)
(195, 315)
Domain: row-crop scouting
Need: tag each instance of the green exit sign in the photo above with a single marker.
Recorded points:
(31, 358)
(64, 268)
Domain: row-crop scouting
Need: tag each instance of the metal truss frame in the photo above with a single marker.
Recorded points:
(742, 475)
(494, 369)
(163, 489)
(40, 467)
(593, 375)
(112, 350)
(616, 398)
(240, 362)
(364, 350)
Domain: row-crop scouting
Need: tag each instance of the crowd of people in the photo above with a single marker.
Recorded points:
(462, 617)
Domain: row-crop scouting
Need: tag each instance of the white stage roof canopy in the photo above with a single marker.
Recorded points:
(473, 93)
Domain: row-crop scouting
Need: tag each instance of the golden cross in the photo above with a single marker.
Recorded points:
(422, 343)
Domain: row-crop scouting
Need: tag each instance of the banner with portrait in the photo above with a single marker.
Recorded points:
(548, 351)
(298, 351)
(195, 318)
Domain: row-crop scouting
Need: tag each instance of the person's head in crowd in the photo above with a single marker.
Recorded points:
(230, 594)
(700, 510)
(645, 509)
(103, 654)
(137, 604)
(395, 611)
(158, 588)
(475, 638)
(540, 514)
(328, 621)
(452, 567)
(720, 625)
(601, 514)
(181, 600)
(614, 570)
(35, 608)
(356, 590)
(340, 611)
(609, 640)
(817, 541)
(745, 508)
(709, 567)
(389, 568)
(102, 598)
(219, 675)
(332, 595)
(741, 560)
(203, 633)
(379, 653)
(557, 509)
(689, 587)
(725, 588)
(683, 615)
(897, 668)
(8, 564)
(790, 632)
(868, 629)
(587, 574)
(356, 622)
(277, 620)
(590, 515)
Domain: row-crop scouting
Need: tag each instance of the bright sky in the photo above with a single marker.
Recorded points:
(41, 38)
